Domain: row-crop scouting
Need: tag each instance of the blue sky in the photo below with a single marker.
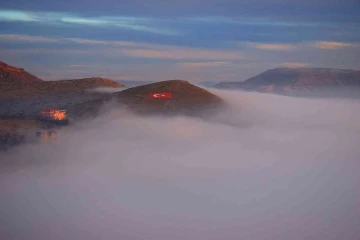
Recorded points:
(197, 40)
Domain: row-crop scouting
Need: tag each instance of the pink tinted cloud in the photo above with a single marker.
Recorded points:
(202, 64)
(274, 47)
(294, 64)
(182, 53)
(332, 45)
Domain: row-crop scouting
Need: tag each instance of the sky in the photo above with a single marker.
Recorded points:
(195, 40)
(269, 167)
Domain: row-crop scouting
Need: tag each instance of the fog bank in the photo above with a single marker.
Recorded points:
(270, 167)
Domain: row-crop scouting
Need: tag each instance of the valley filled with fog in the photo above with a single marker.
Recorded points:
(269, 167)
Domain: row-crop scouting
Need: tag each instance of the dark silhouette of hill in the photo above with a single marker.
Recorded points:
(187, 99)
(301, 81)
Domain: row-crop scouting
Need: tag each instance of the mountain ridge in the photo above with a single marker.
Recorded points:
(16, 82)
(298, 80)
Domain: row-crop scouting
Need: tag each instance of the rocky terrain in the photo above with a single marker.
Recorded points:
(320, 82)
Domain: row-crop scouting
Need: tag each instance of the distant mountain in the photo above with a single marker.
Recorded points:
(187, 99)
(299, 81)
(133, 83)
(17, 83)
(14, 75)
(208, 83)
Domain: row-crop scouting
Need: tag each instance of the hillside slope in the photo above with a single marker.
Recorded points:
(17, 83)
(15, 76)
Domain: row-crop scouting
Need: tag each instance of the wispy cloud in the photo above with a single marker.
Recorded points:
(111, 43)
(253, 21)
(133, 23)
(273, 47)
(332, 45)
(127, 49)
(26, 38)
(294, 64)
(202, 64)
(8, 15)
(183, 54)
(138, 24)
(157, 51)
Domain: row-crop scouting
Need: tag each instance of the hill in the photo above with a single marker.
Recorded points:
(295, 81)
(51, 87)
(17, 83)
(15, 76)
(187, 99)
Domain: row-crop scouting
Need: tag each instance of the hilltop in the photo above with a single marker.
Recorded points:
(299, 80)
(187, 99)
(15, 76)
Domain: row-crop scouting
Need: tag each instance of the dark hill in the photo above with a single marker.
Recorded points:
(295, 81)
(187, 99)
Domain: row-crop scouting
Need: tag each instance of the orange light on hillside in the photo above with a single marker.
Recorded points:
(53, 114)
(58, 115)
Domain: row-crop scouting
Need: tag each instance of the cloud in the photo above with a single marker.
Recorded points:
(182, 54)
(274, 47)
(254, 21)
(125, 48)
(332, 45)
(8, 15)
(130, 49)
(271, 162)
(202, 64)
(26, 38)
(121, 22)
(276, 9)
(64, 18)
(112, 43)
(294, 64)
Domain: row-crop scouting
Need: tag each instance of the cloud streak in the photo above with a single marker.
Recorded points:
(132, 23)
(27, 38)
(125, 48)
(182, 54)
(333, 45)
(294, 64)
(202, 64)
(273, 47)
